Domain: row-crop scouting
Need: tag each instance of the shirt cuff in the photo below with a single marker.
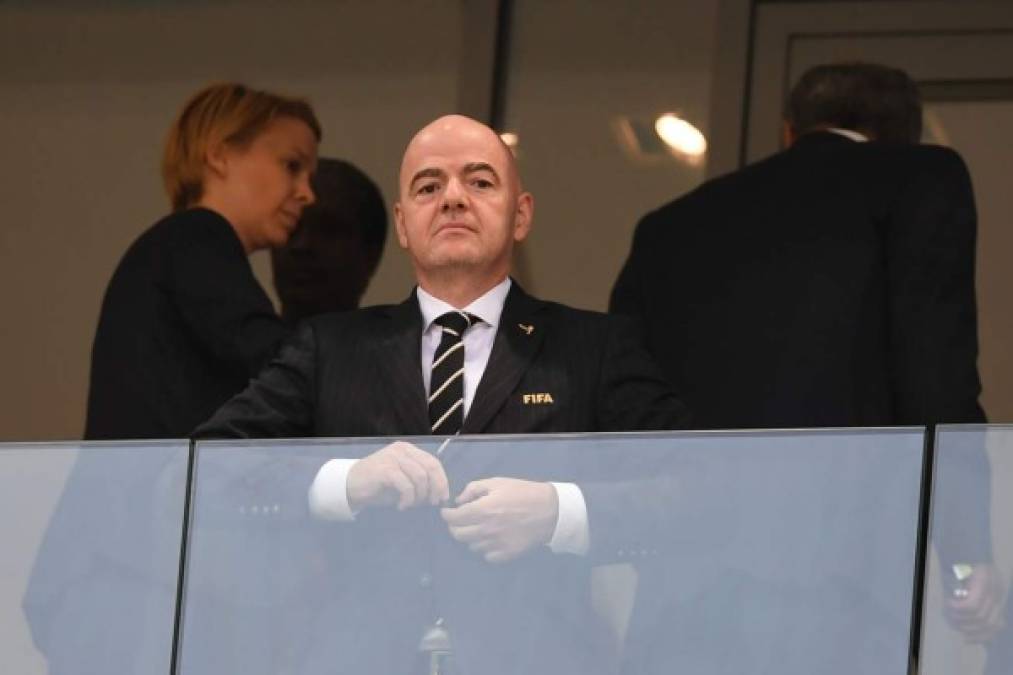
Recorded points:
(571, 534)
(328, 495)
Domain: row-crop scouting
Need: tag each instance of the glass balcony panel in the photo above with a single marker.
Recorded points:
(91, 550)
(966, 622)
(772, 552)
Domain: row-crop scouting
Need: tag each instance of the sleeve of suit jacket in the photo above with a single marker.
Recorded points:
(632, 393)
(930, 258)
(627, 294)
(933, 330)
(636, 513)
(279, 402)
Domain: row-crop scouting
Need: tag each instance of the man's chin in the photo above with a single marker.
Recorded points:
(456, 260)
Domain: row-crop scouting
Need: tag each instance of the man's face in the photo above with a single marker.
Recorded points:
(461, 205)
(324, 267)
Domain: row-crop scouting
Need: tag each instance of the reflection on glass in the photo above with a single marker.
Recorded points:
(771, 552)
(681, 137)
(99, 592)
(585, 113)
(966, 613)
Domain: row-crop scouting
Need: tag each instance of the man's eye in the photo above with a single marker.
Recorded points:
(293, 166)
(482, 183)
(427, 189)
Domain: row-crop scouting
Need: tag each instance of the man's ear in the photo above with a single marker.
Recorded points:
(402, 235)
(523, 216)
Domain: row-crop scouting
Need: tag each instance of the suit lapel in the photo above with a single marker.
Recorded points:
(400, 353)
(518, 339)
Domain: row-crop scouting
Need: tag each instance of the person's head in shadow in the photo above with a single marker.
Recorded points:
(877, 101)
(332, 255)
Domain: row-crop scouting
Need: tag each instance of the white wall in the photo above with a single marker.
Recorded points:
(577, 66)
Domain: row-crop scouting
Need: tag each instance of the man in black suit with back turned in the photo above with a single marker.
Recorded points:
(469, 352)
(831, 284)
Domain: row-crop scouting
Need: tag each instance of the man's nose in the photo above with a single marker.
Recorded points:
(453, 197)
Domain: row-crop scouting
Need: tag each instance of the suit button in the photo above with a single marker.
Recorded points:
(426, 580)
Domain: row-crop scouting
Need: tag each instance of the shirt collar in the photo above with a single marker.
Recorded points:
(488, 307)
(849, 133)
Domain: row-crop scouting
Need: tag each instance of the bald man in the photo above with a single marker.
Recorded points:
(468, 352)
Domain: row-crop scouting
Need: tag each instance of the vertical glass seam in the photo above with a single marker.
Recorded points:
(920, 571)
(184, 551)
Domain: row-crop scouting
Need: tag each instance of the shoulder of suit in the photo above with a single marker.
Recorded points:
(173, 239)
(194, 223)
(662, 220)
(940, 154)
(352, 320)
(905, 151)
(182, 231)
(906, 161)
(567, 318)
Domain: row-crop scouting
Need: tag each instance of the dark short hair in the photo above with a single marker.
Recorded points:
(880, 101)
(344, 192)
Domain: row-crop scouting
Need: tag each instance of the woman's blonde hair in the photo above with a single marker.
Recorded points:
(220, 113)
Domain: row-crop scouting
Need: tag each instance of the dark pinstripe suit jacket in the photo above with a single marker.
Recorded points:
(359, 374)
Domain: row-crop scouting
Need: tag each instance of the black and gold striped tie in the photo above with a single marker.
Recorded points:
(446, 385)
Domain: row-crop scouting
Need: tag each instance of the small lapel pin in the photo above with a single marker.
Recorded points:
(527, 328)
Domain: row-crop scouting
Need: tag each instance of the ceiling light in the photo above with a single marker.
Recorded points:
(680, 136)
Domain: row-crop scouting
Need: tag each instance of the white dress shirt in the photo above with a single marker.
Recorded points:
(477, 340)
(849, 133)
(328, 495)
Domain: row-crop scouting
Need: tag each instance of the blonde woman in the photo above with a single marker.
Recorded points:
(184, 324)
